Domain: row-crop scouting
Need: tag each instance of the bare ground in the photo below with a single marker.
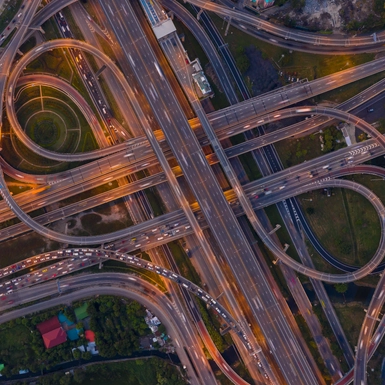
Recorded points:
(331, 15)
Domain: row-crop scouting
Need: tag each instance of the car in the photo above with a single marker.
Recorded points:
(54, 275)
(8, 28)
(44, 271)
(10, 302)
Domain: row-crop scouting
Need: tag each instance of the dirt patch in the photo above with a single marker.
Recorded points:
(331, 15)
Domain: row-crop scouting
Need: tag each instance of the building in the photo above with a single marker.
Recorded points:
(262, 3)
(52, 332)
(81, 312)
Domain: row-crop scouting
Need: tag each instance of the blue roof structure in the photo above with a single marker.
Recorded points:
(72, 334)
(64, 319)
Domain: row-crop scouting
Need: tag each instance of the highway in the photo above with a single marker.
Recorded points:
(188, 153)
(223, 221)
(264, 30)
(235, 114)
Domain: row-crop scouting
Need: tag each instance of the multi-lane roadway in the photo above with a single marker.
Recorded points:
(187, 150)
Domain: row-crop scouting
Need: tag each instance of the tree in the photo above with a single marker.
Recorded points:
(77, 354)
(341, 287)
(87, 355)
(79, 375)
(65, 380)
(79, 325)
(310, 210)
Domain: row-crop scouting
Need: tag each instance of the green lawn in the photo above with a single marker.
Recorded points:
(25, 95)
(64, 110)
(294, 151)
(351, 318)
(345, 223)
(53, 62)
(156, 202)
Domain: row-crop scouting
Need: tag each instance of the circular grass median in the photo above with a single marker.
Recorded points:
(51, 123)
(47, 129)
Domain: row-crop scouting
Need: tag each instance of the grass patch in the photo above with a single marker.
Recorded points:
(250, 166)
(156, 202)
(351, 319)
(53, 62)
(297, 150)
(46, 129)
(67, 111)
(349, 227)
(89, 143)
(26, 94)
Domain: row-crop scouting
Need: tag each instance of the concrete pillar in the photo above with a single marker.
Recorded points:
(228, 26)
(199, 14)
(277, 227)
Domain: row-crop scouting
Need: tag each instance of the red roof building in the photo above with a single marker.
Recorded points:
(54, 337)
(52, 332)
(48, 325)
(90, 336)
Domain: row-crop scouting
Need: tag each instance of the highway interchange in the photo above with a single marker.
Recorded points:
(173, 138)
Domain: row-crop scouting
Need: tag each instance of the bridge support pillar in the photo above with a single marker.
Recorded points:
(286, 247)
(199, 14)
(224, 331)
(277, 227)
(100, 264)
(171, 15)
(228, 26)
(100, 70)
(20, 53)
